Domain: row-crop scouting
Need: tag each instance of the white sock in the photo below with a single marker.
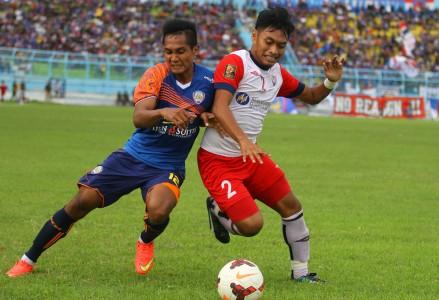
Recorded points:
(224, 219)
(296, 235)
(299, 268)
(28, 260)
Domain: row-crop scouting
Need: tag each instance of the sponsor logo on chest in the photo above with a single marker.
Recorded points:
(172, 130)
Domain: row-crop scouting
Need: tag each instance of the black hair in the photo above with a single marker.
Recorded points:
(277, 18)
(178, 26)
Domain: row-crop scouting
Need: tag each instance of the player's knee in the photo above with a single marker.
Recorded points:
(251, 230)
(251, 226)
(160, 206)
(84, 202)
(159, 211)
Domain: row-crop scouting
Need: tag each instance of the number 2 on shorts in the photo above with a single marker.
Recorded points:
(230, 193)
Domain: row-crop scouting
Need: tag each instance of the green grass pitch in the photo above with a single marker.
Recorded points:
(370, 190)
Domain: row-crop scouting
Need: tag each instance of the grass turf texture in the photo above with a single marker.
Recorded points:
(370, 191)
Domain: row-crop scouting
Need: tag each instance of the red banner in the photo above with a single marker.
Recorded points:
(386, 107)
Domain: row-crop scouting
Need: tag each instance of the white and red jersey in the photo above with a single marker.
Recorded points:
(254, 89)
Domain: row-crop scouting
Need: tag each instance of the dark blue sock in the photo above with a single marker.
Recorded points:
(152, 230)
(54, 229)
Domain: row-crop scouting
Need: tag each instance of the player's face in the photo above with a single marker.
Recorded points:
(269, 45)
(178, 54)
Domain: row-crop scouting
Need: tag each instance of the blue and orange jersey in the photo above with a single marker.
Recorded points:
(165, 146)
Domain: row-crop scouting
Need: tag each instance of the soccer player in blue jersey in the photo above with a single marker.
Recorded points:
(171, 102)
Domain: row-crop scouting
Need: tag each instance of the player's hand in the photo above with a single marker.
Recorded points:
(333, 68)
(211, 121)
(250, 150)
(178, 116)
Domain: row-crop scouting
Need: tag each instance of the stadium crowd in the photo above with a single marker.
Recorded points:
(124, 27)
(369, 38)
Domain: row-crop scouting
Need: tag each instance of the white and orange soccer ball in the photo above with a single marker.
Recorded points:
(240, 279)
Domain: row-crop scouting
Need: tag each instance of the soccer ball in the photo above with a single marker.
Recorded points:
(240, 279)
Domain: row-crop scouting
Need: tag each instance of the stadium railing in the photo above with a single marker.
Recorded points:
(109, 74)
(383, 82)
(83, 72)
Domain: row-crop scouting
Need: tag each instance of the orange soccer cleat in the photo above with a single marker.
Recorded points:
(144, 257)
(20, 268)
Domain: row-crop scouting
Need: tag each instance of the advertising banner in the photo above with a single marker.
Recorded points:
(386, 107)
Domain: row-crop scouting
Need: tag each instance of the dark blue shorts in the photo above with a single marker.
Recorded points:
(121, 173)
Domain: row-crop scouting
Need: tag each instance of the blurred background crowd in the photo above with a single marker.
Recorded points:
(370, 38)
(124, 27)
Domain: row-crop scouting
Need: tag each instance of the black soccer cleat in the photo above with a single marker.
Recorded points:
(308, 278)
(221, 234)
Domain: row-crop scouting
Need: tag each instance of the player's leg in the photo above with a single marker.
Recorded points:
(276, 193)
(214, 214)
(296, 235)
(241, 218)
(160, 200)
(57, 228)
(231, 208)
(100, 187)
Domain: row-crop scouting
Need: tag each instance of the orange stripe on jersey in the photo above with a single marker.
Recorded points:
(169, 95)
(186, 106)
(150, 83)
(177, 98)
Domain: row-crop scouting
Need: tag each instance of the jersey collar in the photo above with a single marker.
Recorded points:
(257, 63)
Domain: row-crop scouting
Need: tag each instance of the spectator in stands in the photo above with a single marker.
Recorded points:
(48, 90)
(3, 89)
(125, 99)
(22, 92)
(119, 99)
(57, 87)
(14, 90)
(63, 88)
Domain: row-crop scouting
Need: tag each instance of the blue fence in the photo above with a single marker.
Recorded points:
(380, 82)
(85, 73)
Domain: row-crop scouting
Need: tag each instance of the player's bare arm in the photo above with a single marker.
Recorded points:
(210, 120)
(145, 115)
(222, 110)
(333, 69)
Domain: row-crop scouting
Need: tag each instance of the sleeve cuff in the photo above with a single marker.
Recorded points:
(224, 86)
(144, 98)
(298, 91)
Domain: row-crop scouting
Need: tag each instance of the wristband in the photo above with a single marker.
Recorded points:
(330, 85)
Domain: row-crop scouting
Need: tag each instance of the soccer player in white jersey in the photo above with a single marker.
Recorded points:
(234, 169)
